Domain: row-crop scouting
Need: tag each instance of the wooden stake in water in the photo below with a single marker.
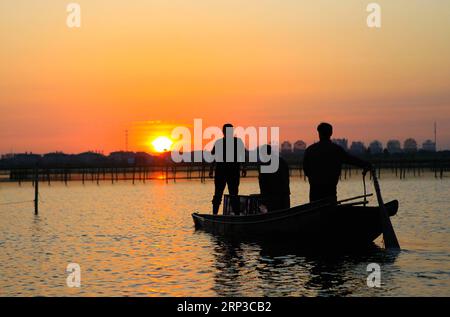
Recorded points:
(36, 192)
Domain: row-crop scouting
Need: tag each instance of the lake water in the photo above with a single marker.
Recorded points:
(139, 240)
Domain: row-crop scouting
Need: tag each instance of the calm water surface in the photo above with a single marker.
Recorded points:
(139, 241)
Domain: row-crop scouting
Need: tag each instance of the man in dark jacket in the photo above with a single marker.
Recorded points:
(274, 187)
(227, 168)
(323, 162)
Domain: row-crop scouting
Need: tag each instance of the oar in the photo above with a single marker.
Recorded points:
(353, 198)
(389, 237)
(355, 203)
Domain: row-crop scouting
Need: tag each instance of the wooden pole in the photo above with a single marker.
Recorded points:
(36, 192)
(167, 174)
(174, 171)
(389, 237)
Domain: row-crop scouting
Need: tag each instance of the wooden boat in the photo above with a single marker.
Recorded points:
(309, 224)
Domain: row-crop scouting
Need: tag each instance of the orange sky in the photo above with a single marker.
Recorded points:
(145, 66)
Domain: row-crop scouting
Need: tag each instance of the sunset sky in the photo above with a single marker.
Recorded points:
(147, 66)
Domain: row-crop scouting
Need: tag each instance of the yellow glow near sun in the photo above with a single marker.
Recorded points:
(162, 144)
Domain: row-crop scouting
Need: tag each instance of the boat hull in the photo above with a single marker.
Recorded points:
(308, 224)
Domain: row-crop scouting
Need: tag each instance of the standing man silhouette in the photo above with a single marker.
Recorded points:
(323, 163)
(229, 153)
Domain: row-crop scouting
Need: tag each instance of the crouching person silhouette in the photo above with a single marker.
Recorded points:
(274, 187)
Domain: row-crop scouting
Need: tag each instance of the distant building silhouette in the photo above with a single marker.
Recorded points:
(357, 147)
(393, 147)
(286, 147)
(7, 156)
(410, 145)
(299, 146)
(90, 158)
(123, 157)
(429, 146)
(376, 147)
(143, 158)
(26, 159)
(56, 159)
(341, 142)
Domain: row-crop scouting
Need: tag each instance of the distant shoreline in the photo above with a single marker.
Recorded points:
(172, 173)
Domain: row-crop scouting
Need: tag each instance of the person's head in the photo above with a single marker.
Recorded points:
(325, 131)
(227, 126)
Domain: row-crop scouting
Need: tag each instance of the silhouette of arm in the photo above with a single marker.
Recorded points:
(241, 156)
(306, 163)
(262, 183)
(353, 160)
(285, 177)
(213, 163)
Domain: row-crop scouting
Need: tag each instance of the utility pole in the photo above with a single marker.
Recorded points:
(126, 140)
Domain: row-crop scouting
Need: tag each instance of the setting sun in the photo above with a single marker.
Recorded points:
(162, 144)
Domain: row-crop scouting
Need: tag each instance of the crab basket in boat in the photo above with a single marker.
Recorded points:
(249, 205)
